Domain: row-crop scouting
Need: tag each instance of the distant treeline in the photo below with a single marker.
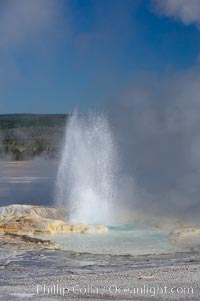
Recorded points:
(24, 136)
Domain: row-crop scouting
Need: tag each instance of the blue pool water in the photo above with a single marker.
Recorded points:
(121, 240)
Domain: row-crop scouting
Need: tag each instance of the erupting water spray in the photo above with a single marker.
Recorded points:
(86, 173)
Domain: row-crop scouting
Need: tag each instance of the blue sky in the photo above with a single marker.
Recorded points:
(58, 55)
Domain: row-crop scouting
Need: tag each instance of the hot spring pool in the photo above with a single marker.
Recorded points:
(120, 240)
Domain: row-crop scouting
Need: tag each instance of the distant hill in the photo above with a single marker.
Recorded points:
(28, 120)
(24, 136)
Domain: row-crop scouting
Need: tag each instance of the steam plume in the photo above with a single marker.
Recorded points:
(157, 124)
(186, 11)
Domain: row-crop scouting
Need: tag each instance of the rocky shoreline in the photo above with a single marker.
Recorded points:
(36, 220)
(22, 225)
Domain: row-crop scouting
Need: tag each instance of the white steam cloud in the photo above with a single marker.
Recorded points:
(28, 28)
(22, 20)
(187, 11)
(157, 125)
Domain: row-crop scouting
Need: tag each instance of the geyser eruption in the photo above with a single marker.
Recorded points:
(86, 174)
